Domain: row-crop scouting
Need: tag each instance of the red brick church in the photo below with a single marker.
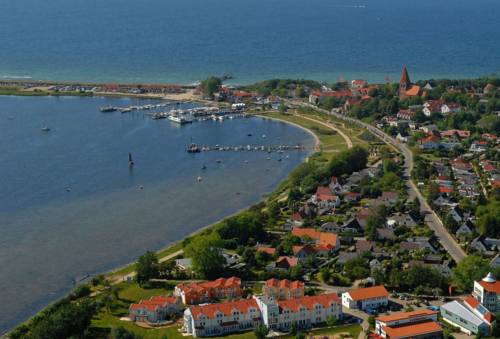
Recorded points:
(406, 88)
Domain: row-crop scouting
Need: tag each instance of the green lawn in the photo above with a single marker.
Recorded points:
(106, 321)
(331, 142)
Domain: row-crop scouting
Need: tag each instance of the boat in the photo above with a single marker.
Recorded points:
(126, 110)
(199, 179)
(218, 161)
(180, 119)
(264, 136)
(45, 129)
(249, 134)
(107, 109)
(130, 160)
(279, 159)
(193, 148)
(204, 167)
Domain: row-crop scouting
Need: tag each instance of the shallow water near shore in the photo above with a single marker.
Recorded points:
(71, 206)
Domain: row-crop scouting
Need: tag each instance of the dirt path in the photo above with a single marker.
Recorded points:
(348, 140)
(116, 279)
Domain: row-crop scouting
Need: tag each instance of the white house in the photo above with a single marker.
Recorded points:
(324, 198)
(366, 298)
(306, 312)
(222, 318)
(155, 309)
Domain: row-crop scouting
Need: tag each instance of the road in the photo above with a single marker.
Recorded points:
(116, 279)
(431, 218)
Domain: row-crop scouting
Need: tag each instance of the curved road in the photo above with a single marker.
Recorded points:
(431, 218)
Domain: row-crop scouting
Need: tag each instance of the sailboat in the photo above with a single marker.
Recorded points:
(130, 160)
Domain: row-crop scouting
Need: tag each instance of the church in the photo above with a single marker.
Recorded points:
(406, 88)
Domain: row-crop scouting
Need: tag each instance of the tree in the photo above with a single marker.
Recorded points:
(211, 85)
(471, 268)
(294, 328)
(489, 219)
(206, 255)
(331, 321)
(261, 331)
(147, 267)
(122, 333)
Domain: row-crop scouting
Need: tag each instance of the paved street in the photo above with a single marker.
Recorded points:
(431, 218)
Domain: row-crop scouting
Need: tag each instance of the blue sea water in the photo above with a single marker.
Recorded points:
(186, 40)
(50, 236)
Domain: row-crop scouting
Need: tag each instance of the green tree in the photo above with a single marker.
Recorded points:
(471, 268)
(122, 333)
(206, 255)
(147, 267)
(261, 331)
(211, 85)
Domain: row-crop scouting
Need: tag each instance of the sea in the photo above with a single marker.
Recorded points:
(183, 41)
(70, 205)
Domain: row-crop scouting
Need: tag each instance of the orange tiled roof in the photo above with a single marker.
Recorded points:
(490, 287)
(309, 302)
(285, 283)
(322, 237)
(473, 302)
(225, 308)
(413, 91)
(368, 293)
(323, 193)
(406, 315)
(268, 250)
(412, 330)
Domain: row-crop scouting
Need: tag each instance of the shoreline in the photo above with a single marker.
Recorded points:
(116, 276)
(112, 274)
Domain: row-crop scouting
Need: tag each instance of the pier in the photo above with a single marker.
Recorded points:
(253, 148)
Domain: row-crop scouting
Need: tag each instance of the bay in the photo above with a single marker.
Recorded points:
(71, 206)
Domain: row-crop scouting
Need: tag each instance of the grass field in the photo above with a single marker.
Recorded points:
(330, 141)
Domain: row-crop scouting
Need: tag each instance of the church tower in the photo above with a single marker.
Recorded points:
(404, 83)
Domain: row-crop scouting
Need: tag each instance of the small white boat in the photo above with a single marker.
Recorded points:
(45, 129)
(199, 179)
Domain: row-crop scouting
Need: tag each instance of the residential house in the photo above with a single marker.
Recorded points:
(325, 199)
(406, 114)
(461, 134)
(155, 310)
(485, 245)
(302, 252)
(401, 219)
(329, 240)
(283, 289)
(432, 107)
(286, 262)
(479, 146)
(265, 249)
(222, 318)
(389, 197)
(197, 293)
(430, 142)
(296, 220)
(306, 312)
(366, 298)
(450, 107)
(350, 226)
